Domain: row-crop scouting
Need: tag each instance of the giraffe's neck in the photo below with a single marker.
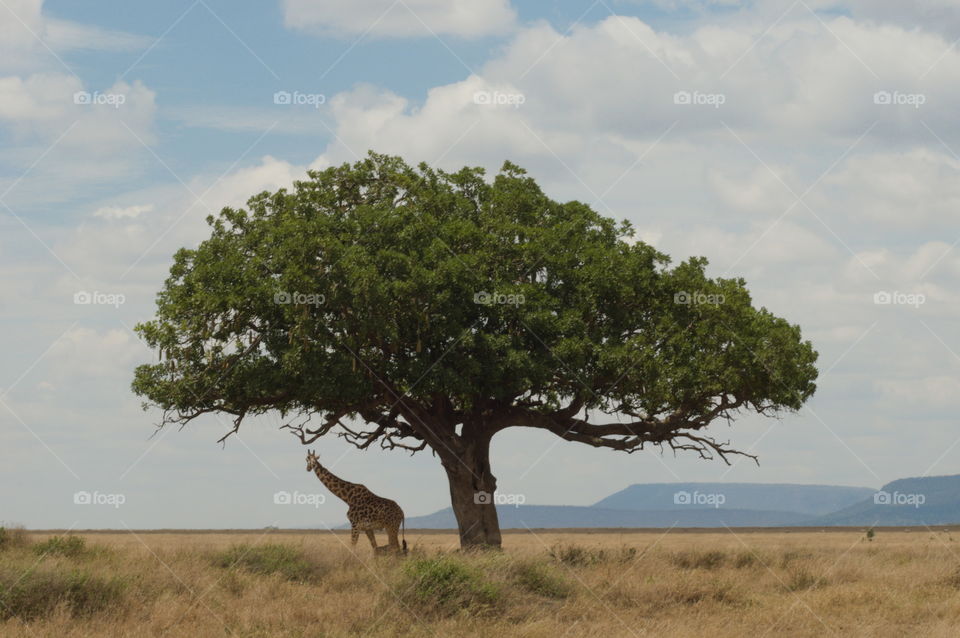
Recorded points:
(335, 484)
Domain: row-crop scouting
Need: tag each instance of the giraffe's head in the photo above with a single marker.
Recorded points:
(312, 461)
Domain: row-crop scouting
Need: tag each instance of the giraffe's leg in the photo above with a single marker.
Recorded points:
(354, 536)
(393, 534)
(373, 539)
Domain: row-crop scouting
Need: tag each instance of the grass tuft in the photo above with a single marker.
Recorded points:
(12, 537)
(698, 559)
(68, 546)
(577, 556)
(285, 560)
(446, 586)
(539, 578)
(38, 593)
(801, 579)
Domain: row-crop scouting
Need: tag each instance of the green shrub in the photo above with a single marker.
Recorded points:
(446, 586)
(69, 546)
(538, 578)
(285, 560)
(38, 593)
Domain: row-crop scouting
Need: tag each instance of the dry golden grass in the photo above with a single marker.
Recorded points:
(543, 585)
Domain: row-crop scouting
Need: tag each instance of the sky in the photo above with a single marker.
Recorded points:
(809, 147)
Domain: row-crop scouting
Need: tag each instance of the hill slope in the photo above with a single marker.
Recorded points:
(813, 500)
(929, 500)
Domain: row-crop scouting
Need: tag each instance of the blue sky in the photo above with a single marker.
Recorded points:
(788, 167)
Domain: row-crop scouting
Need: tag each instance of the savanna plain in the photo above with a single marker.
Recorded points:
(542, 584)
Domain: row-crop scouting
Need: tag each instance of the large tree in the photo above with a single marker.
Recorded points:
(414, 308)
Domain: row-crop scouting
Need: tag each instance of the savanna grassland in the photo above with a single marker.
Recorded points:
(544, 584)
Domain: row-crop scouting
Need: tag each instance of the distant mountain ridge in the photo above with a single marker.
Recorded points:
(813, 500)
(910, 501)
(928, 500)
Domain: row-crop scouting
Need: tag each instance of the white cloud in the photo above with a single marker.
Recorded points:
(899, 189)
(409, 18)
(758, 190)
(933, 15)
(30, 103)
(80, 144)
(30, 39)
(84, 135)
(105, 251)
(116, 212)
(61, 35)
(88, 353)
(934, 391)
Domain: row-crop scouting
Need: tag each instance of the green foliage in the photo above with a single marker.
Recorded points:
(370, 281)
(870, 534)
(38, 592)
(287, 561)
(445, 586)
(69, 546)
(539, 578)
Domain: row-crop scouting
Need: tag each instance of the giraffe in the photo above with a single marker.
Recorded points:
(367, 512)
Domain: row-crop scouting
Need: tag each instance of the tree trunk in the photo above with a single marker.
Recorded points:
(472, 488)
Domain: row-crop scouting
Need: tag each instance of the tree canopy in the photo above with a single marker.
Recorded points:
(414, 308)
